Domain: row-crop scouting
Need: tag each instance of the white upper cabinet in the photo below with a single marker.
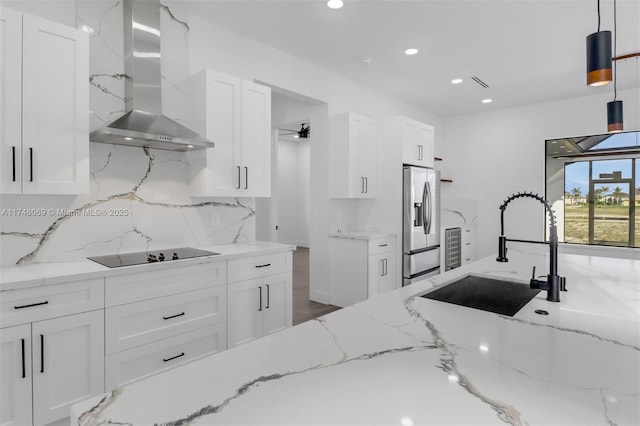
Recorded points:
(417, 141)
(353, 156)
(44, 106)
(236, 115)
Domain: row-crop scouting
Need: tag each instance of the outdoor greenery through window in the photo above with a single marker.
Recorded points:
(593, 183)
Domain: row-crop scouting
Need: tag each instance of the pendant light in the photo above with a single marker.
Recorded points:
(599, 69)
(614, 108)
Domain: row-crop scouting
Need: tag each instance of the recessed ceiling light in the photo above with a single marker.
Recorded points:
(411, 51)
(456, 81)
(189, 146)
(487, 101)
(128, 139)
(335, 4)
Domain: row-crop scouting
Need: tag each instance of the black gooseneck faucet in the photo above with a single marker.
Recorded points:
(554, 283)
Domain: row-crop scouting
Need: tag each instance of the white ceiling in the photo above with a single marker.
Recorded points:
(528, 51)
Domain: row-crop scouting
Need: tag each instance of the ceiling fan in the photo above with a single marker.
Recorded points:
(302, 133)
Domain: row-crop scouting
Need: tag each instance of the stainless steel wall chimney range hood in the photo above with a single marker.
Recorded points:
(143, 124)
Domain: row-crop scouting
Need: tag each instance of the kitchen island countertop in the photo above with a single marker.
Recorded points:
(399, 359)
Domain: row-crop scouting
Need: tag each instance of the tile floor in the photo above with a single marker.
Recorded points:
(303, 308)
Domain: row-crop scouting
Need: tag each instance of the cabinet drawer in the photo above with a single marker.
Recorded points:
(50, 301)
(382, 245)
(137, 363)
(163, 282)
(143, 322)
(258, 266)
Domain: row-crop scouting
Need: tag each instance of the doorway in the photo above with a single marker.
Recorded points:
(286, 217)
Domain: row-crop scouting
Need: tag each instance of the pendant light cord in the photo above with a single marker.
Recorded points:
(615, 52)
(599, 15)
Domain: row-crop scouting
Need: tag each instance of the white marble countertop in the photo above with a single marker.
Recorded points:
(39, 274)
(361, 235)
(399, 359)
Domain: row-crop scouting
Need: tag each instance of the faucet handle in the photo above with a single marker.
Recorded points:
(533, 273)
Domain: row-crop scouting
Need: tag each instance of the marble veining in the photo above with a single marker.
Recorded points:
(152, 186)
(400, 355)
(505, 412)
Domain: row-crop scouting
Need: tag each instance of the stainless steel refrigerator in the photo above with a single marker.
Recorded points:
(421, 223)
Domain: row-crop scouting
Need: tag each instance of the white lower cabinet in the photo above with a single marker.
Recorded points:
(361, 268)
(259, 296)
(259, 307)
(147, 334)
(68, 363)
(137, 363)
(47, 366)
(15, 371)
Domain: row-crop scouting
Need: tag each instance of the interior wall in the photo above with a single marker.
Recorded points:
(293, 192)
(492, 155)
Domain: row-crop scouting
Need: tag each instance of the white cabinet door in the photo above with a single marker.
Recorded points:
(217, 115)
(55, 108)
(382, 273)
(353, 156)
(236, 116)
(417, 143)
(256, 140)
(388, 280)
(425, 144)
(15, 371)
(68, 363)
(10, 101)
(277, 309)
(244, 307)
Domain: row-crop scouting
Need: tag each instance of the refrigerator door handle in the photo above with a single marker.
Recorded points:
(430, 216)
(425, 197)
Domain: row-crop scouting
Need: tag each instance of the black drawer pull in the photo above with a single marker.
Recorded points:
(262, 266)
(33, 304)
(173, 316)
(267, 307)
(260, 307)
(467, 244)
(383, 245)
(30, 164)
(173, 357)
(24, 369)
(13, 155)
(42, 353)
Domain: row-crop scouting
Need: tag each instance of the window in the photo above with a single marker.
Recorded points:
(593, 184)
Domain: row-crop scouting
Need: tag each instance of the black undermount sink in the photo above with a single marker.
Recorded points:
(487, 294)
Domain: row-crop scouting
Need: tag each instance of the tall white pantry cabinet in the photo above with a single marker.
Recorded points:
(236, 115)
(44, 106)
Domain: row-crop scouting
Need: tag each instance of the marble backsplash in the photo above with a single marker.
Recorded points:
(139, 199)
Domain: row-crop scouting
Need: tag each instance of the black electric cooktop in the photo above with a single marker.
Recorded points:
(141, 257)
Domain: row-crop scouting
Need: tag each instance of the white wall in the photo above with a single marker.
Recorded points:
(293, 199)
(492, 155)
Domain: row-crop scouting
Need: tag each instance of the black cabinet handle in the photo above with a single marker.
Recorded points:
(267, 296)
(238, 187)
(362, 181)
(24, 369)
(366, 185)
(382, 245)
(260, 307)
(263, 266)
(246, 178)
(42, 353)
(13, 156)
(30, 164)
(31, 305)
(173, 357)
(173, 316)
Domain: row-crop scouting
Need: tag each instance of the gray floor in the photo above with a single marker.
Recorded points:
(303, 308)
